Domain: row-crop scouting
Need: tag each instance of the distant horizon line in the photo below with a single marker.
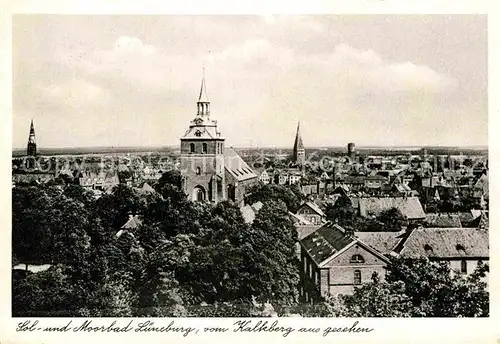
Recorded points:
(268, 147)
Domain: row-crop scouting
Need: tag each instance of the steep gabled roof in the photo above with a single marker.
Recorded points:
(314, 207)
(446, 243)
(410, 207)
(325, 242)
(383, 242)
(236, 166)
(299, 219)
(305, 230)
(442, 220)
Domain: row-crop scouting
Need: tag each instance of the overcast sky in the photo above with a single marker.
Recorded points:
(133, 80)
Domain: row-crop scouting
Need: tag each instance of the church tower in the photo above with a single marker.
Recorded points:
(30, 162)
(202, 155)
(299, 153)
(31, 150)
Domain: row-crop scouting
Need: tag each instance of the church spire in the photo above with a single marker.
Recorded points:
(31, 149)
(203, 103)
(299, 153)
(298, 139)
(203, 98)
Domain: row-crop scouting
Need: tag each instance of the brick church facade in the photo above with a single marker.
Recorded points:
(211, 171)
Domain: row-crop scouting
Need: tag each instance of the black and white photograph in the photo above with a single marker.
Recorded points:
(250, 166)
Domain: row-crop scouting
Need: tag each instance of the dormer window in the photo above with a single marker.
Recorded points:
(197, 133)
(357, 258)
(460, 248)
(428, 249)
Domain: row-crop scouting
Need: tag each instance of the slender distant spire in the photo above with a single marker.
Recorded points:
(298, 139)
(203, 103)
(203, 98)
(31, 149)
(299, 153)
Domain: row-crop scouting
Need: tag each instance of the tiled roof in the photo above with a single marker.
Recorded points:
(442, 220)
(466, 218)
(383, 242)
(305, 230)
(402, 187)
(236, 166)
(298, 219)
(446, 243)
(410, 207)
(354, 180)
(326, 241)
(315, 208)
(481, 222)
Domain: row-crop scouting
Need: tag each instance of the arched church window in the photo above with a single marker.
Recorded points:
(205, 148)
(191, 148)
(231, 192)
(198, 170)
(200, 194)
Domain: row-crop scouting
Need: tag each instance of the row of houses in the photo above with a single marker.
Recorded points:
(285, 176)
(335, 262)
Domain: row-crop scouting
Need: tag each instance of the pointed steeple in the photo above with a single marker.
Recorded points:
(31, 149)
(203, 103)
(298, 139)
(32, 128)
(299, 153)
(203, 98)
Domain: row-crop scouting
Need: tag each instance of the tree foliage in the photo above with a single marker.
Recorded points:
(182, 255)
(290, 195)
(419, 288)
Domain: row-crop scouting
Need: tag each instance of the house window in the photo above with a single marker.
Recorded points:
(191, 148)
(204, 148)
(357, 277)
(463, 266)
(357, 258)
